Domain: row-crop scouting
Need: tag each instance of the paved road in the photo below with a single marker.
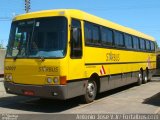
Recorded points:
(128, 99)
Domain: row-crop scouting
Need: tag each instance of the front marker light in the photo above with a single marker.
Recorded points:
(49, 80)
(63, 80)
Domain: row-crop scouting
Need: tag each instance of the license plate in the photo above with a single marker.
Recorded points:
(29, 92)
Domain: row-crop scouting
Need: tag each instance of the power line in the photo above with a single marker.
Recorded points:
(5, 18)
(119, 8)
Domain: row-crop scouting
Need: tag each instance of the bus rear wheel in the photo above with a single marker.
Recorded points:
(145, 80)
(91, 92)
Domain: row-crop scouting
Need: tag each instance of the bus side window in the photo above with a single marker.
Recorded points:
(107, 37)
(118, 39)
(142, 44)
(88, 33)
(136, 43)
(128, 41)
(76, 40)
(148, 46)
(96, 34)
(152, 46)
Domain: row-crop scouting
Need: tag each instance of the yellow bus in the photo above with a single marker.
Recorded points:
(61, 54)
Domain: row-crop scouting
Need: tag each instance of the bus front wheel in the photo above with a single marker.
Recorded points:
(91, 92)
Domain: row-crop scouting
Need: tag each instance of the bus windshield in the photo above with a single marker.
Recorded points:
(41, 37)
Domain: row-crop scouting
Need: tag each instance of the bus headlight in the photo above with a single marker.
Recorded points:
(49, 80)
(55, 80)
(52, 80)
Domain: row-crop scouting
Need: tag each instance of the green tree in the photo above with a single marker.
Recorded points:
(1, 46)
(157, 47)
(156, 44)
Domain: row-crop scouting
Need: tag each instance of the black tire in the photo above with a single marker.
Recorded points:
(140, 78)
(145, 77)
(91, 92)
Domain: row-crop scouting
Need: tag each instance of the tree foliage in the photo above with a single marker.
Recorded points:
(1, 46)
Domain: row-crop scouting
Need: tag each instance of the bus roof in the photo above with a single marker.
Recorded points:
(83, 16)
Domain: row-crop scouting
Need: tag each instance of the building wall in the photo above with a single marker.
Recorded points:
(2, 56)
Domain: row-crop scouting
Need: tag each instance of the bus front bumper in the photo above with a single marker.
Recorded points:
(45, 91)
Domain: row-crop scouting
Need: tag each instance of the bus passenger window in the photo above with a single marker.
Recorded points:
(148, 46)
(136, 43)
(96, 35)
(142, 44)
(128, 41)
(107, 37)
(118, 39)
(88, 33)
(152, 46)
(76, 41)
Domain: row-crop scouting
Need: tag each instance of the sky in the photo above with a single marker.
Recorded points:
(142, 15)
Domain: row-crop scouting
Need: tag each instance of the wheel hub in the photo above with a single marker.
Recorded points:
(91, 89)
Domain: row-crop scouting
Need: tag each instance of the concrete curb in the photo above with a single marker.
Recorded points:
(2, 57)
(155, 79)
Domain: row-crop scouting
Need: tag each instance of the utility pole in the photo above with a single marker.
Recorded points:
(27, 5)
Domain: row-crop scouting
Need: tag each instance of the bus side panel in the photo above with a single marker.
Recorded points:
(76, 88)
(115, 81)
(115, 67)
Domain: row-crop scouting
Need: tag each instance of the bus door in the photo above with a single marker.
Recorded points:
(158, 61)
(76, 62)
